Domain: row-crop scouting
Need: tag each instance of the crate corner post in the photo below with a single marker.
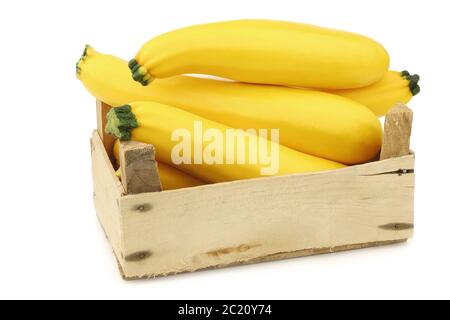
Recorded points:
(397, 132)
(139, 171)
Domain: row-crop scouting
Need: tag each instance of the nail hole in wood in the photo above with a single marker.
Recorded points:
(138, 256)
(143, 207)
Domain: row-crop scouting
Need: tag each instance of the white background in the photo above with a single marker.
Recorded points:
(51, 245)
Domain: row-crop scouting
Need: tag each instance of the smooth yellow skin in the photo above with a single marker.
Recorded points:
(317, 123)
(171, 178)
(381, 96)
(268, 52)
(108, 79)
(157, 122)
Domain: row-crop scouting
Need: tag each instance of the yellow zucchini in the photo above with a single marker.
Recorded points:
(316, 123)
(264, 51)
(155, 123)
(381, 96)
(170, 177)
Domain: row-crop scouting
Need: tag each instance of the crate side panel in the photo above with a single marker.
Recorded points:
(233, 223)
(107, 194)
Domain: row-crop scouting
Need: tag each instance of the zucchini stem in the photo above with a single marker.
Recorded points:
(413, 82)
(405, 74)
(87, 51)
(140, 73)
(120, 122)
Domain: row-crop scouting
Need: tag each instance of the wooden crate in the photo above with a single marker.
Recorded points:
(162, 233)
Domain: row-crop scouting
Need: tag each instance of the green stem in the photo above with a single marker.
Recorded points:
(139, 73)
(415, 88)
(415, 78)
(405, 74)
(132, 64)
(120, 122)
(83, 57)
(413, 82)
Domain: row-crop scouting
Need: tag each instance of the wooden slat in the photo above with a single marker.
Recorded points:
(138, 167)
(269, 218)
(283, 256)
(108, 191)
(397, 132)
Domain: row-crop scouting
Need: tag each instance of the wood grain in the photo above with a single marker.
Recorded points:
(397, 132)
(139, 170)
(243, 221)
(108, 191)
(281, 256)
